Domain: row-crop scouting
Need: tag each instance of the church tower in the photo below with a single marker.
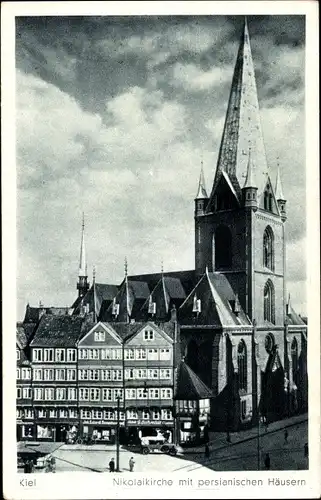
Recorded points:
(82, 285)
(239, 230)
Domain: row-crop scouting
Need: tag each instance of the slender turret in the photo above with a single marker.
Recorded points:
(82, 285)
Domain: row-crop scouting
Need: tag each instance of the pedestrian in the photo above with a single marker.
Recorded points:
(306, 450)
(207, 451)
(26, 468)
(267, 461)
(286, 435)
(112, 465)
(131, 464)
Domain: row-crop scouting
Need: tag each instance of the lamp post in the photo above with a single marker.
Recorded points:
(259, 443)
(117, 434)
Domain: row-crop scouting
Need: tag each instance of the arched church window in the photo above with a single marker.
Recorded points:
(294, 357)
(269, 314)
(269, 342)
(268, 248)
(242, 365)
(222, 248)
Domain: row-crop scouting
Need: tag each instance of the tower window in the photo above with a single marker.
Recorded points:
(222, 248)
(269, 310)
(294, 358)
(268, 249)
(269, 343)
(268, 199)
(242, 365)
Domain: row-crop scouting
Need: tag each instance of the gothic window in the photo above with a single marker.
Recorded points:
(269, 342)
(294, 357)
(269, 311)
(242, 365)
(268, 199)
(268, 248)
(222, 248)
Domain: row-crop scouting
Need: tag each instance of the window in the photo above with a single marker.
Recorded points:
(153, 393)
(85, 414)
(71, 354)
(129, 353)
(18, 354)
(71, 374)
(268, 251)
(222, 248)
(121, 415)
(83, 394)
(28, 413)
(148, 335)
(153, 354)
(99, 336)
(18, 373)
(60, 355)
(116, 354)
(109, 415)
(26, 373)
(37, 374)
(242, 365)
(94, 394)
(269, 343)
(156, 415)
(129, 374)
(166, 393)
(140, 353)
(141, 393)
(83, 354)
(18, 413)
(37, 394)
(130, 393)
(118, 393)
(72, 393)
(145, 415)
(73, 413)
(48, 355)
(117, 375)
(60, 374)
(294, 359)
(48, 374)
(83, 374)
(37, 355)
(105, 374)
(53, 413)
(97, 414)
(107, 394)
(93, 374)
(166, 414)
(132, 414)
(105, 354)
(165, 373)
(93, 354)
(60, 393)
(49, 393)
(165, 354)
(141, 373)
(153, 373)
(269, 302)
(26, 393)
(18, 392)
(42, 413)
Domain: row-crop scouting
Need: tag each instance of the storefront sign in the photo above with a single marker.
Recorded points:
(103, 422)
(151, 422)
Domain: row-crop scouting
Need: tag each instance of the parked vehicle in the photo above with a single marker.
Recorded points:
(146, 447)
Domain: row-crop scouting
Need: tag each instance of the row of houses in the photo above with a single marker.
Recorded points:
(75, 373)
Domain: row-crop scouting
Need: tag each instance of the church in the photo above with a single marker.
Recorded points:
(236, 329)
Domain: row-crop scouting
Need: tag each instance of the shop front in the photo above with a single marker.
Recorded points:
(161, 430)
(103, 431)
(25, 431)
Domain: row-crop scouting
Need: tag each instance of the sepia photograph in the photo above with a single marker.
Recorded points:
(162, 306)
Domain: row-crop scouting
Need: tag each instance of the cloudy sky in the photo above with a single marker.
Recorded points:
(113, 116)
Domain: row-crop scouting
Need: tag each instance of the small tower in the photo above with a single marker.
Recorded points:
(279, 196)
(249, 189)
(201, 196)
(82, 285)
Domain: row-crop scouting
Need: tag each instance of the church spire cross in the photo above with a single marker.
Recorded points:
(242, 124)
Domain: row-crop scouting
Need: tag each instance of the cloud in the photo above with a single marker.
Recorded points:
(195, 79)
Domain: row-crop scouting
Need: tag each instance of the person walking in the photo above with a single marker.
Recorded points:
(207, 452)
(131, 464)
(267, 461)
(112, 465)
(286, 435)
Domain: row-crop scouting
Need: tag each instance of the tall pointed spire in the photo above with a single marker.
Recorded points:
(278, 187)
(250, 177)
(82, 259)
(242, 129)
(201, 192)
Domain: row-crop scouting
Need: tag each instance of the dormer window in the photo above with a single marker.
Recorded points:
(18, 354)
(148, 335)
(196, 305)
(99, 336)
(115, 309)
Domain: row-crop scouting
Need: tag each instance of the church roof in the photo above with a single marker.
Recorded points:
(168, 291)
(292, 317)
(188, 279)
(250, 181)
(201, 192)
(242, 128)
(60, 331)
(190, 386)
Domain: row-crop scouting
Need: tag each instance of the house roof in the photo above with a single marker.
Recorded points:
(187, 278)
(60, 331)
(190, 386)
(21, 337)
(126, 330)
